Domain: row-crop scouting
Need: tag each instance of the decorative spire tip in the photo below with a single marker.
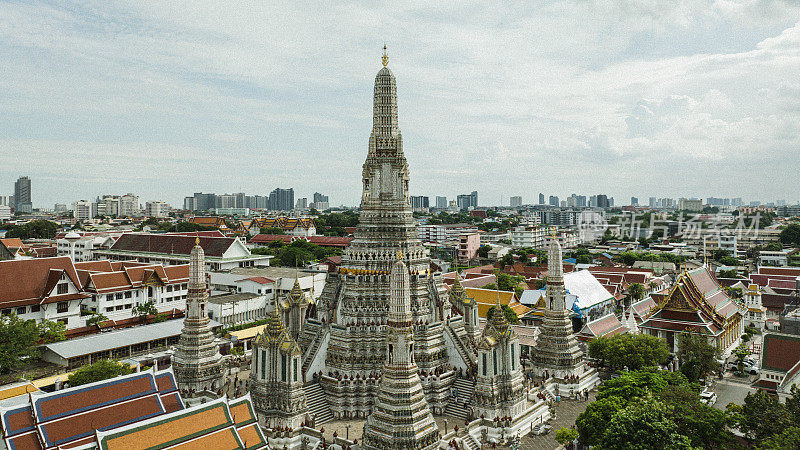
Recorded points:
(385, 57)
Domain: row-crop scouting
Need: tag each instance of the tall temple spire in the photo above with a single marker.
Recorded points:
(555, 291)
(197, 361)
(401, 417)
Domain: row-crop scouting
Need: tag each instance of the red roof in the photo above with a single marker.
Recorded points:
(325, 241)
(781, 352)
(785, 271)
(180, 244)
(259, 280)
(31, 280)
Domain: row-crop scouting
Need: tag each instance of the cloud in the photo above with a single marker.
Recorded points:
(628, 98)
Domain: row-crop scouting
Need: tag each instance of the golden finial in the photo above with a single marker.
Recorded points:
(399, 254)
(197, 239)
(385, 57)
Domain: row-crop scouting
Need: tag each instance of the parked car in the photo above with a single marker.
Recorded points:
(752, 370)
(541, 429)
(708, 397)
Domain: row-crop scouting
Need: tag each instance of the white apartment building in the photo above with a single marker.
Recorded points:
(445, 232)
(156, 209)
(82, 248)
(532, 236)
(83, 210)
(232, 309)
(129, 206)
(773, 258)
(5, 212)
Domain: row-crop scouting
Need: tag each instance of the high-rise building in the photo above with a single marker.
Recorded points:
(189, 204)
(156, 209)
(419, 202)
(302, 203)
(467, 201)
(109, 205)
(240, 199)
(129, 205)
(197, 362)
(516, 201)
(541, 198)
(602, 201)
(320, 198)
(652, 202)
(84, 210)
(634, 201)
(281, 199)
(554, 200)
(204, 202)
(227, 201)
(22, 195)
(441, 202)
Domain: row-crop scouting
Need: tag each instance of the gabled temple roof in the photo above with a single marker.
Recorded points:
(275, 334)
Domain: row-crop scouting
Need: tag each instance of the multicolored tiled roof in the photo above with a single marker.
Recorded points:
(70, 417)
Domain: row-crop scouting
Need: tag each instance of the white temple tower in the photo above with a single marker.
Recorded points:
(355, 300)
(500, 390)
(400, 418)
(557, 353)
(197, 362)
(276, 379)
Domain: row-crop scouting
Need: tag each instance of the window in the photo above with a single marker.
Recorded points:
(64, 321)
(110, 309)
(35, 308)
(263, 365)
(128, 294)
(294, 369)
(62, 288)
(512, 356)
(484, 364)
(110, 297)
(62, 307)
(283, 367)
(119, 296)
(119, 307)
(21, 310)
(494, 359)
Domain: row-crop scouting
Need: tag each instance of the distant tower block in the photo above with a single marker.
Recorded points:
(276, 381)
(400, 418)
(197, 362)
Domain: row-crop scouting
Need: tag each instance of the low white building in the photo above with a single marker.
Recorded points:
(156, 209)
(116, 289)
(773, 258)
(531, 236)
(239, 308)
(42, 289)
(82, 248)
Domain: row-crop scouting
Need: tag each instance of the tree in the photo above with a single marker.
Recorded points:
(791, 235)
(507, 260)
(564, 435)
(143, 310)
(762, 416)
(696, 356)
(730, 273)
(632, 351)
(636, 290)
(483, 251)
(35, 229)
(100, 370)
(788, 439)
(95, 319)
(50, 331)
(592, 423)
(19, 341)
(647, 425)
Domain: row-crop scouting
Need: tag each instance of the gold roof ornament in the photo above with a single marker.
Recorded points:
(385, 57)
(399, 254)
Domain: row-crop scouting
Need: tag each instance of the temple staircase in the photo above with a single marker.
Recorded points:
(463, 349)
(470, 442)
(317, 405)
(312, 350)
(456, 409)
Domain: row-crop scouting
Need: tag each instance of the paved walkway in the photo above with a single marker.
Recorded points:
(566, 413)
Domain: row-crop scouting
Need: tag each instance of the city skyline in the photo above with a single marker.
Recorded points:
(664, 101)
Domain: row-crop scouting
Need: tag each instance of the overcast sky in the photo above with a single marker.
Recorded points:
(163, 99)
